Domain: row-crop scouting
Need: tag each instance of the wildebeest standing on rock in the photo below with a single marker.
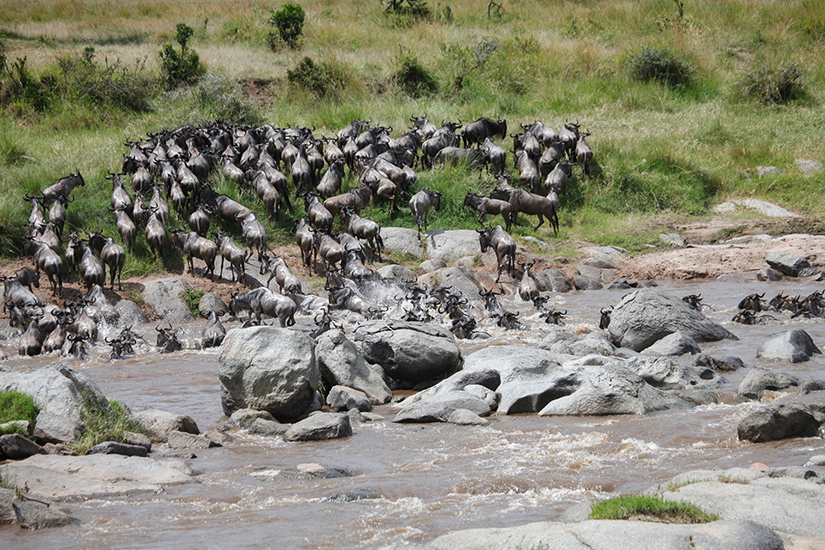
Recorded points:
(503, 245)
(421, 203)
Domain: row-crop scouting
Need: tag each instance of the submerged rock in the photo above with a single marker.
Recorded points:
(782, 421)
(320, 426)
(794, 345)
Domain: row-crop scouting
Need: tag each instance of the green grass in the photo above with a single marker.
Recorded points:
(104, 421)
(15, 405)
(192, 298)
(650, 509)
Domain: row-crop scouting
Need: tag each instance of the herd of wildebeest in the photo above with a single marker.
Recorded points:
(278, 163)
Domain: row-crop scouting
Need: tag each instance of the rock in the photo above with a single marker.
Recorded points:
(553, 280)
(620, 284)
(244, 417)
(7, 514)
(269, 428)
(410, 353)
(647, 315)
(320, 426)
(452, 245)
(542, 245)
(610, 252)
(340, 361)
(55, 389)
(583, 282)
(727, 363)
(766, 208)
(465, 417)
(164, 297)
(323, 472)
(795, 346)
(35, 515)
(396, 272)
(184, 440)
(157, 424)
(673, 239)
(811, 386)
(791, 265)
(341, 398)
(116, 448)
(758, 380)
(132, 438)
(763, 171)
(808, 167)
(17, 447)
(674, 344)
(782, 421)
(725, 208)
(769, 274)
(355, 494)
(398, 240)
(485, 394)
(459, 279)
(210, 303)
(434, 264)
(601, 263)
(469, 261)
(590, 271)
(55, 428)
(439, 406)
(356, 416)
(130, 313)
(270, 369)
(665, 373)
(94, 476)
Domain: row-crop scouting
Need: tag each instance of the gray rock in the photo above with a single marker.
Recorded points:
(323, 472)
(130, 313)
(341, 398)
(7, 514)
(164, 297)
(553, 280)
(409, 352)
(665, 373)
(725, 208)
(17, 447)
(648, 315)
(431, 265)
(769, 274)
(94, 476)
(56, 428)
(727, 363)
(466, 417)
(812, 386)
(781, 421)
(808, 167)
(210, 303)
(673, 239)
(132, 438)
(438, 406)
(485, 394)
(791, 265)
(601, 263)
(355, 494)
(583, 282)
(269, 428)
(157, 424)
(339, 360)
(543, 246)
(590, 272)
(763, 171)
(55, 389)
(184, 440)
(270, 369)
(35, 515)
(469, 261)
(619, 284)
(117, 448)
(398, 240)
(16, 426)
(610, 252)
(459, 279)
(244, 417)
(758, 380)
(320, 426)
(672, 345)
(795, 346)
(396, 272)
(766, 208)
(452, 245)
(356, 417)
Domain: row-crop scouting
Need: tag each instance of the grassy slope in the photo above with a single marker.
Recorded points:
(657, 149)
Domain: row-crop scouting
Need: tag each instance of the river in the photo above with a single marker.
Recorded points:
(432, 478)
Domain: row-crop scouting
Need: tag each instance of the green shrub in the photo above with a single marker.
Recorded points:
(15, 405)
(192, 298)
(182, 67)
(104, 421)
(19, 87)
(773, 84)
(660, 65)
(412, 77)
(289, 21)
(464, 61)
(655, 508)
(403, 13)
(323, 79)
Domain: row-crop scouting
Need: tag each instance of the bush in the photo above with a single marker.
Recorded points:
(289, 21)
(322, 79)
(403, 13)
(192, 298)
(15, 405)
(773, 84)
(464, 61)
(182, 67)
(412, 77)
(18, 85)
(104, 421)
(660, 65)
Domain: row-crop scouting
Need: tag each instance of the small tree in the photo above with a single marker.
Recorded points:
(289, 20)
(182, 67)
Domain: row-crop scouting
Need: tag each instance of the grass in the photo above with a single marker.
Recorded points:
(658, 149)
(104, 421)
(15, 405)
(647, 508)
(192, 298)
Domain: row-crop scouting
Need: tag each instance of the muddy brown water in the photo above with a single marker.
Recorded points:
(432, 478)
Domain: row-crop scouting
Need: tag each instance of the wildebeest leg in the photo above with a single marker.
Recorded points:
(541, 221)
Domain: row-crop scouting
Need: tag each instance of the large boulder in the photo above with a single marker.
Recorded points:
(553, 280)
(17, 447)
(409, 352)
(647, 315)
(269, 369)
(452, 245)
(758, 380)
(439, 406)
(791, 265)
(56, 428)
(56, 390)
(459, 279)
(674, 344)
(341, 363)
(157, 424)
(399, 240)
(320, 426)
(164, 297)
(37, 515)
(782, 421)
(794, 345)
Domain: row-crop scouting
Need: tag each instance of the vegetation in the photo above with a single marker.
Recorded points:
(15, 405)
(192, 298)
(104, 421)
(666, 148)
(289, 21)
(650, 509)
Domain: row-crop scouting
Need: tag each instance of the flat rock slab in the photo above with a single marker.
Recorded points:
(791, 265)
(163, 296)
(58, 477)
(452, 245)
(399, 240)
(766, 208)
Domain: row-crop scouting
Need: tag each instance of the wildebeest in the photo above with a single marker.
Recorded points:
(364, 228)
(529, 203)
(230, 251)
(476, 132)
(63, 187)
(421, 203)
(213, 332)
(485, 205)
(502, 244)
(195, 246)
(110, 253)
